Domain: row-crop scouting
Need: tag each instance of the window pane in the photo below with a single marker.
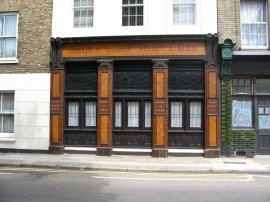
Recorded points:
(261, 110)
(10, 28)
(90, 114)
(77, 3)
(125, 21)
(118, 114)
(148, 116)
(124, 1)
(176, 114)
(263, 85)
(10, 48)
(73, 114)
(195, 114)
(1, 123)
(253, 11)
(8, 102)
(133, 114)
(264, 121)
(8, 123)
(1, 25)
(242, 113)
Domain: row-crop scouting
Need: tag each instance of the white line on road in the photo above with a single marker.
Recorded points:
(266, 176)
(5, 173)
(249, 179)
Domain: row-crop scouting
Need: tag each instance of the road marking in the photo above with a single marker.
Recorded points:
(263, 176)
(249, 179)
(5, 173)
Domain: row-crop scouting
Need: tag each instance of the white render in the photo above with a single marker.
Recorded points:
(158, 19)
(31, 110)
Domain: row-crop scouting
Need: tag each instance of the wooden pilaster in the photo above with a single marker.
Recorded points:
(105, 110)
(57, 99)
(212, 100)
(160, 108)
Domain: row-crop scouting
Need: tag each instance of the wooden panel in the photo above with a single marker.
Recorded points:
(55, 129)
(160, 84)
(160, 130)
(104, 84)
(212, 130)
(160, 106)
(151, 48)
(212, 84)
(104, 129)
(104, 106)
(56, 90)
(212, 106)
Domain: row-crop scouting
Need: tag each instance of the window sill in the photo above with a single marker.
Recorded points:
(252, 51)
(7, 139)
(9, 61)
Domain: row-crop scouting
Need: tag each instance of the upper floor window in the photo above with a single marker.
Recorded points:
(132, 12)
(241, 85)
(83, 13)
(8, 36)
(253, 24)
(184, 12)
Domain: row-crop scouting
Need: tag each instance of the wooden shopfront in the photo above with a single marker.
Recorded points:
(140, 92)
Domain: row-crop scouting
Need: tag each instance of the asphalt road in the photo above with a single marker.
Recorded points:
(40, 185)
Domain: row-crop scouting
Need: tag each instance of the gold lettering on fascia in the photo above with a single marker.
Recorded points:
(88, 50)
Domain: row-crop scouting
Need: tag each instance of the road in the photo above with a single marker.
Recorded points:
(42, 185)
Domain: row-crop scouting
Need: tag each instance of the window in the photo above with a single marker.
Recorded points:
(8, 36)
(241, 113)
(83, 13)
(262, 86)
(184, 12)
(264, 114)
(73, 114)
(6, 114)
(132, 12)
(253, 23)
(241, 85)
(76, 117)
(118, 114)
(133, 114)
(195, 115)
(176, 114)
(147, 114)
(90, 114)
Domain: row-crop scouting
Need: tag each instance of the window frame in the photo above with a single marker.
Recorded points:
(256, 23)
(251, 87)
(183, 4)
(124, 114)
(2, 134)
(82, 113)
(11, 59)
(136, 5)
(80, 8)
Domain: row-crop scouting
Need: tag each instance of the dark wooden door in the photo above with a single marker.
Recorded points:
(263, 130)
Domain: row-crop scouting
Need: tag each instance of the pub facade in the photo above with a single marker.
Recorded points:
(132, 85)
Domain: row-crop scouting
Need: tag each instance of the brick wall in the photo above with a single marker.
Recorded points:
(244, 141)
(226, 117)
(229, 21)
(34, 31)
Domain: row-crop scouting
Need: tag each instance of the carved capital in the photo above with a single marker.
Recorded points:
(105, 64)
(160, 63)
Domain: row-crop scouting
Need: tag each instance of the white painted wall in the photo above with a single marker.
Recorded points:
(31, 110)
(158, 19)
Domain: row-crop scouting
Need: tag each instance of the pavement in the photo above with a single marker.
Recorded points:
(256, 165)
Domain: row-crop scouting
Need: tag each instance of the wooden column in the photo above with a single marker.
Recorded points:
(212, 100)
(160, 108)
(105, 110)
(57, 100)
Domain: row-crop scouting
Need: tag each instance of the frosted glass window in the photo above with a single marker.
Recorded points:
(184, 12)
(148, 116)
(176, 114)
(8, 35)
(6, 112)
(83, 13)
(133, 114)
(253, 23)
(73, 114)
(195, 114)
(132, 12)
(242, 113)
(90, 114)
(118, 114)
